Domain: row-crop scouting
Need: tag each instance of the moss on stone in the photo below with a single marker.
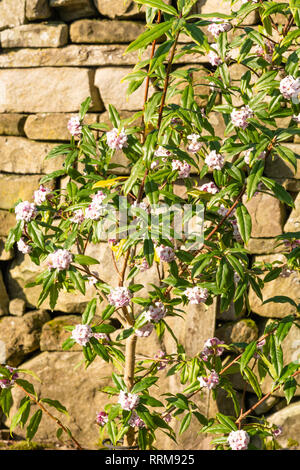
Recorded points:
(27, 445)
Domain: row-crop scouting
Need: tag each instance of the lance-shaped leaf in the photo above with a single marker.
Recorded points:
(160, 5)
(146, 38)
(244, 222)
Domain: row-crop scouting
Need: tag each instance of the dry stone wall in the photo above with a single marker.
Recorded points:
(55, 53)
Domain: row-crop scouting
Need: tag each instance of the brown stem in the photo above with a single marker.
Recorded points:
(58, 422)
(129, 378)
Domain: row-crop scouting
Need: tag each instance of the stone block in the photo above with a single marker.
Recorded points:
(258, 246)
(7, 221)
(35, 35)
(277, 168)
(70, 10)
(12, 13)
(242, 331)
(12, 124)
(5, 255)
(17, 307)
(4, 300)
(268, 215)
(283, 285)
(53, 333)
(105, 31)
(47, 89)
(289, 419)
(14, 187)
(53, 126)
(293, 222)
(21, 335)
(209, 6)
(37, 10)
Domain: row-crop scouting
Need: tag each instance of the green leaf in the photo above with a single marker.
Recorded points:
(85, 260)
(119, 382)
(255, 177)
(6, 400)
(289, 389)
(27, 386)
(144, 384)
(149, 251)
(276, 355)
(99, 349)
(160, 5)
(244, 222)
(185, 423)
(21, 415)
(56, 404)
(226, 421)
(149, 36)
(34, 424)
(252, 379)
(281, 299)
(36, 234)
(77, 280)
(247, 355)
(68, 344)
(89, 312)
(278, 191)
(84, 107)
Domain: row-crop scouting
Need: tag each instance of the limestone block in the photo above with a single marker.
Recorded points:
(277, 168)
(289, 419)
(81, 55)
(268, 215)
(5, 255)
(20, 155)
(35, 35)
(209, 6)
(53, 91)
(17, 307)
(112, 91)
(21, 335)
(70, 10)
(290, 184)
(242, 331)
(37, 10)
(14, 187)
(53, 333)
(258, 246)
(52, 126)
(283, 285)
(293, 222)
(116, 9)
(104, 31)
(4, 300)
(12, 13)
(12, 124)
(7, 221)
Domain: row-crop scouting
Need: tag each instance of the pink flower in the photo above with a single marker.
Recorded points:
(168, 418)
(165, 253)
(103, 337)
(194, 145)
(160, 355)
(290, 87)
(156, 312)
(236, 232)
(128, 401)
(238, 440)
(239, 116)
(277, 431)
(144, 266)
(266, 53)
(211, 381)
(162, 152)
(213, 55)
(23, 247)
(7, 383)
(119, 297)
(136, 421)
(95, 209)
(82, 334)
(209, 188)
(183, 168)
(291, 244)
(41, 195)
(217, 27)
(102, 418)
(212, 348)
(60, 259)
(74, 126)
(116, 139)
(25, 211)
(78, 217)
(214, 160)
(196, 295)
(145, 330)
(296, 118)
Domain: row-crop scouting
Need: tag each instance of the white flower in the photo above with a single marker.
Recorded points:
(209, 382)
(194, 146)
(290, 87)
(216, 27)
(162, 152)
(78, 217)
(239, 117)
(23, 247)
(128, 401)
(156, 312)
(25, 211)
(238, 440)
(209, 188)
(145, 330)
(74, 126)
(41, 195)
(213, 56)
(60, 259)
(196, 295)
(183, 168)
(136, 421)
(165, 253)
(214, 160)
(119, 297)
(116, 139)
(82, 334)
(296, 118)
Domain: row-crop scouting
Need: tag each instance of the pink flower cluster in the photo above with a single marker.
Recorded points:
(136, 421)
(168, 418)
(291, 244)
(94, 210)
(196, 295)
(7, 383)
(156, 312)
(183, 168)
(238, 440)
(144, 266)
(74, 126)
(119, 297)
(212, 348)
(78, 217)
(82, 334)
(194, 146)
(217, 27)
(145, 330)
(23, 247)
(290, 87)
(25, 211)
(165, 253)
(214, 160)
(239, 117)
(128, 401)
(236, 232)
(209, 188)
(103, 337)
(102, 418)
(211, 381)
(60, 259)
(116, 139)
(266, 53)
(213, 56)
(261, 156)
(296, 118)
(223, 211)
(41, 195)
(162, 152)
(160, 355)
(277, 431)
